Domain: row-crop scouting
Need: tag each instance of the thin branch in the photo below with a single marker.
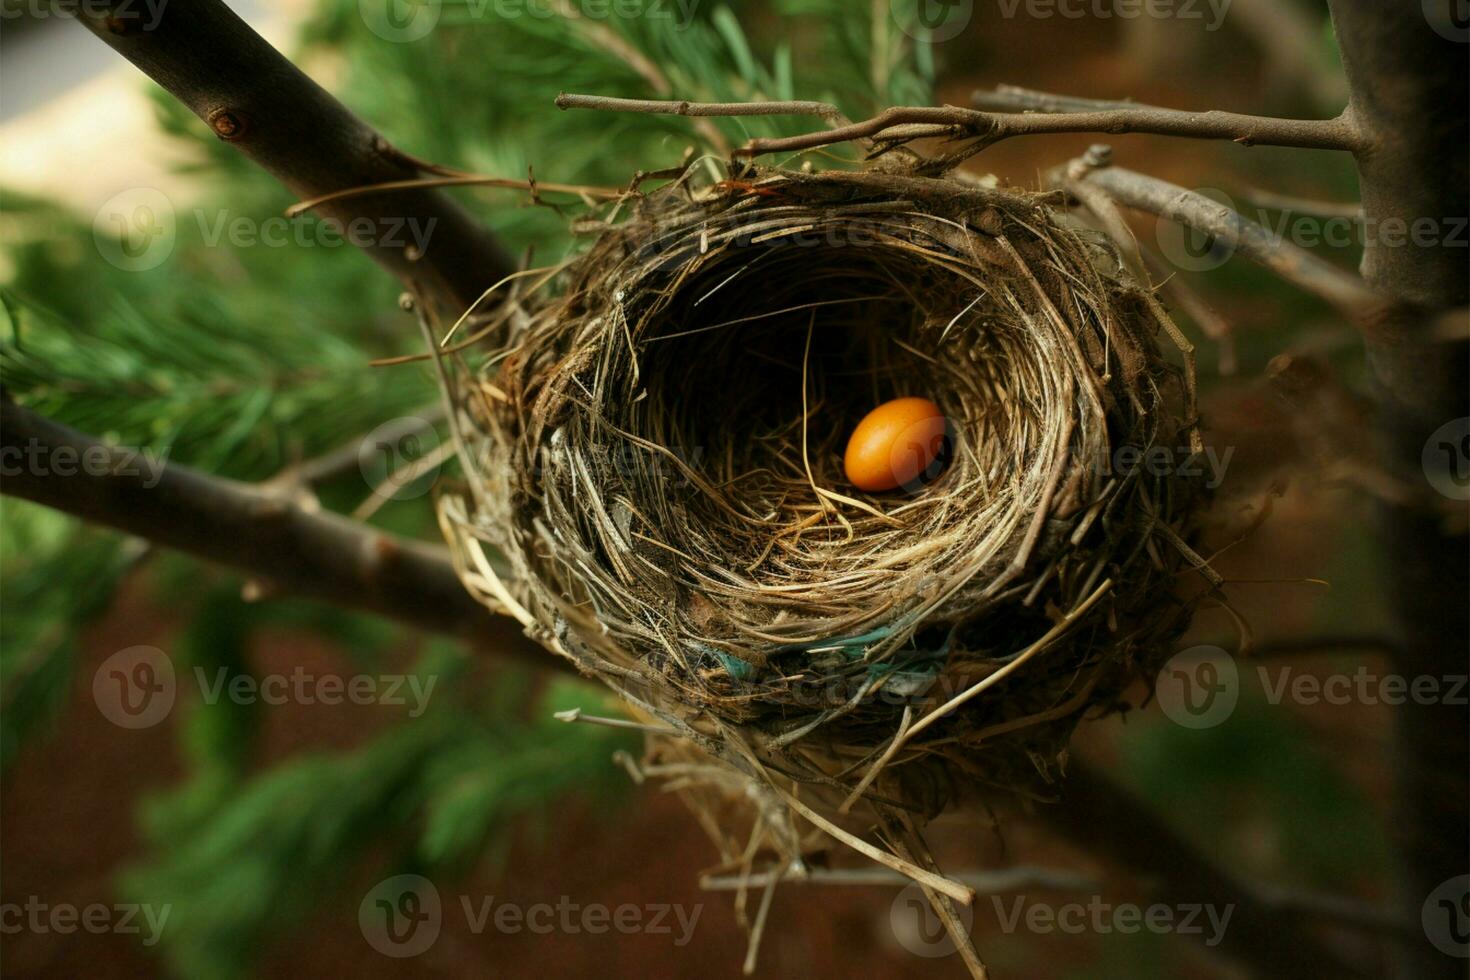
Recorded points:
(268, 535)
(1110, 822)
(347, 458)
(681, 107)
(1347, 912)
(257, 100)
(1328, 644)
(983, 882)
(603, 36)
(456, 179)
(1342, 289)
(1143, 263)
(985, 129)
(1014, 98)
(1302, 205)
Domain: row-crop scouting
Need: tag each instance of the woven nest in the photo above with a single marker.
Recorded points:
(654, 447)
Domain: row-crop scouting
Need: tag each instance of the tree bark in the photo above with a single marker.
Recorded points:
(1409, 91)
(254, 98)
(269, 535)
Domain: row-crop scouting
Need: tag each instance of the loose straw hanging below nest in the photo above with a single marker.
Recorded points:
(655, 453)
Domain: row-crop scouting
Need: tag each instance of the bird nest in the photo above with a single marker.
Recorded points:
(653, 435)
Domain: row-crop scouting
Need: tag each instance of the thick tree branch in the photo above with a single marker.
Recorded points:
(1409, 94)
(269, 535)
(254, 98)
(1106, 820)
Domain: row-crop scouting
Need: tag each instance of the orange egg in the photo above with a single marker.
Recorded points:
(894, 444)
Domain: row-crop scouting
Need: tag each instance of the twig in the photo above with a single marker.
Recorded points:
(258, 101)
(347, 457)
(939, 883)
(400, 478)
(1211, 324)
(1342, 289)
(983, 882)
(1342, 911)
(1329, 644)
(266, 534)
(603, 36)
(682, 107)
(572, 715)
(1301, 205)
(1011, 666)
(455, 179)
(1142, 262)
(985, 129)
(1108, 821)
(1014, 98)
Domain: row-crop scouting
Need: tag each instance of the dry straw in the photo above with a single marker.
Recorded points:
(653, 432)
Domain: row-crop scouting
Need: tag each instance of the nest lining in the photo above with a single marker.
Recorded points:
(656, 453)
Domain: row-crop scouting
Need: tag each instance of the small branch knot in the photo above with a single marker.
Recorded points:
(227, 125)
